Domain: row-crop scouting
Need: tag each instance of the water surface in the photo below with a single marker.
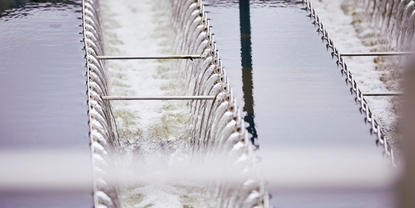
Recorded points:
(43, 94)
(299, 96)
(42, 76)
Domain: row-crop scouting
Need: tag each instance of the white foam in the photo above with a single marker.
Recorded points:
(149, 131)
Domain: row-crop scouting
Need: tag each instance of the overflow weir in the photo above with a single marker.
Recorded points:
(216, 131)
(163, 125)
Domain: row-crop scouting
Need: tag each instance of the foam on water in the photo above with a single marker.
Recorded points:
(136, 28)
(133, 141)
(151, 133)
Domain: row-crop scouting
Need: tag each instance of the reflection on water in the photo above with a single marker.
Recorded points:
(253, 3)
(301, 101)
(246, 59)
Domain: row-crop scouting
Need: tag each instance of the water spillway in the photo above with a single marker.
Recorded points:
(125, 134)
(197, 153)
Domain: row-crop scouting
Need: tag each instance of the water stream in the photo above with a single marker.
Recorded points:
(159, 137)
(151, 134)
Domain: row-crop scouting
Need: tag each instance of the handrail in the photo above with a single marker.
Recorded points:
(378, 54)
(149, 57)
(158, 98)
(382, 94)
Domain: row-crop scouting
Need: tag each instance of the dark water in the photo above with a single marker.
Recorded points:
(299, 97)
(43, 90)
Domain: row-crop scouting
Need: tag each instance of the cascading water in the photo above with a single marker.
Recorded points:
(394, 19)
(385, 26)
(144, 139)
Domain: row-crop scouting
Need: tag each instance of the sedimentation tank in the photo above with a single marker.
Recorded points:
(137, 147)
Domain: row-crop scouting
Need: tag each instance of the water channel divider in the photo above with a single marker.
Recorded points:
(377, 54)
(191, 57)
(159, 98)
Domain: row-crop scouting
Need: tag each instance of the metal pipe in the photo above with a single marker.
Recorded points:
(378, 54)
(382, 94)
(149, 57)
(158, 98)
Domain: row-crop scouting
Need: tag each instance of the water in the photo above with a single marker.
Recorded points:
(42, 106)
(148, 131)
(393, 20)
(330, 155)
(156, 138)
(301, 101)
(290, 66)
(297, 93)
(384, 26)
(42, 77)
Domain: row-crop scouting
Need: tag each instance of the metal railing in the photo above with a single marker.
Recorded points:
(191, 57)
(391, 53)
(158, 98)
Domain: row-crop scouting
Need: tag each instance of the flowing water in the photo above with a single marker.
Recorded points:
(150, 133)
(393, 20)
(160, 138)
